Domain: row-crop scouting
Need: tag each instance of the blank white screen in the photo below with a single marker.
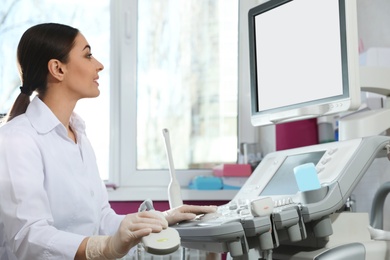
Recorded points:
(298, 53)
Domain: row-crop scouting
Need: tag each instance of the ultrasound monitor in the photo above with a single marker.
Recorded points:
(304, 59)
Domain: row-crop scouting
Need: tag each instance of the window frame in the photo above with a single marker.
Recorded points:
(131, 182)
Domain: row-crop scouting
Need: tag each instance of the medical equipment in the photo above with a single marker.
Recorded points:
(297, 224)
(174, 194)
(304, 59)
(165, 242)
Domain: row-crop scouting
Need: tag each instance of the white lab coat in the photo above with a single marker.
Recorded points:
(51, 195)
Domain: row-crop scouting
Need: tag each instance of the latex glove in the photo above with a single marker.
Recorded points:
(186, 212)
(130, 232)
(378, 234)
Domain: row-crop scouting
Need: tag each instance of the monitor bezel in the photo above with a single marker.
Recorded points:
(349, 100)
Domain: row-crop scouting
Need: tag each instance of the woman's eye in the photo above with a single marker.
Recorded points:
(89, 55)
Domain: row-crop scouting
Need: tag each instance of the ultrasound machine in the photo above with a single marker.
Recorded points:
(295, 205)
(272, 216)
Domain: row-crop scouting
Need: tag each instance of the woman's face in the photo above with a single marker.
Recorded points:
(82, 70)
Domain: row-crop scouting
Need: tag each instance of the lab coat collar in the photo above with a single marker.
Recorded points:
(43, 120)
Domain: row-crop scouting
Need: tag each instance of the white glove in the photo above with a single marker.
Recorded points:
(132, 228)
(378, 234)
(186, 212)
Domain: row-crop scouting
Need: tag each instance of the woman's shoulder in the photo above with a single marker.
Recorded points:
(17, 133)
(17, 125)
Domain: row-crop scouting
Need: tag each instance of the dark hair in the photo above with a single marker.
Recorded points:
(38, 45)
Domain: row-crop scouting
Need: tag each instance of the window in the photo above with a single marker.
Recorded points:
(93, 20)
(187, 82)
(179, 63)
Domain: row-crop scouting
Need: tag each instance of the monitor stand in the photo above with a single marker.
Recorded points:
(369, 122)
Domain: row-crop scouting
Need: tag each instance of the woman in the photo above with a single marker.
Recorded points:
(53, 204)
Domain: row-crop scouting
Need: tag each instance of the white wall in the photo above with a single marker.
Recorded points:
(373, 22)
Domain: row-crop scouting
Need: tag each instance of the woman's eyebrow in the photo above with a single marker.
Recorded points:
(87, 46)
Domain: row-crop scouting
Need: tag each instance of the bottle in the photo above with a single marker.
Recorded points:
(326, 133)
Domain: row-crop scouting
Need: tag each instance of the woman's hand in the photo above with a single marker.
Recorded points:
(130, 232)
(186, 212)
(135, 226)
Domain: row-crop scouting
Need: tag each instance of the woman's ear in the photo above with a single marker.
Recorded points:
(56, 69)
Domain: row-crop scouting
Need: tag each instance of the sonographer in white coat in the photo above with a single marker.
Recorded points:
(53, 204)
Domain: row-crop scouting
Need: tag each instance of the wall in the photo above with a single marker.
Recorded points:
(373, 22)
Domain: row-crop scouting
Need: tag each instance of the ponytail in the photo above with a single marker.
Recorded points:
(19, 107)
